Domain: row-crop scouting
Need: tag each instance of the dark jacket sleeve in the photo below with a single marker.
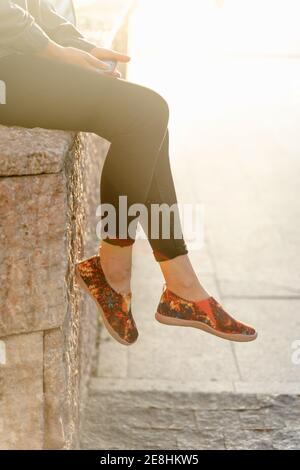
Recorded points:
(61, 30)
(19, 31)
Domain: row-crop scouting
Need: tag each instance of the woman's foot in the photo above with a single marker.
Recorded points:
(114, 307)
(207, 315)
(184, 302)
(116, 263)
(181, 278)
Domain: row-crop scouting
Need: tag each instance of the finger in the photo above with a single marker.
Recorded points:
(102, 53)
(96, 62)
(118, 56)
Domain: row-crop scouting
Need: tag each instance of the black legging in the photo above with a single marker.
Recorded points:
(134, 118)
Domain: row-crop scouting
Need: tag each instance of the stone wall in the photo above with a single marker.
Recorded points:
(49, 191)
(48, 328)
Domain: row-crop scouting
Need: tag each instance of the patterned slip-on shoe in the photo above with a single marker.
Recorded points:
(114, 307)
(207, 315)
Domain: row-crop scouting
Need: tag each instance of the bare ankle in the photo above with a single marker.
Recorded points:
(116, 273)
(183, 283)
(116, 263)
(181, 278)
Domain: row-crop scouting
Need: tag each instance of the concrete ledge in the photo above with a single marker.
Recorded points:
(47, 327)
(32, 151)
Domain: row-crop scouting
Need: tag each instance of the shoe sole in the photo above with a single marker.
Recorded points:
(102, 314)
(195, 324)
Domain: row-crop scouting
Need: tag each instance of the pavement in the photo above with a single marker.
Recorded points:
(235, 151)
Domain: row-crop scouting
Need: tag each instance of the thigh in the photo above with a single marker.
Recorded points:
(45, 93)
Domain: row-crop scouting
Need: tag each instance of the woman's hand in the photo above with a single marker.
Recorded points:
(110, 54)
(72, 55)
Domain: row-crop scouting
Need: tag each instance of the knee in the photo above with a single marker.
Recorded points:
(141, 110)
(153, 109)
(160, 107)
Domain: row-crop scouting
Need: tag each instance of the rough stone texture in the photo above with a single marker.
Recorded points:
(32, 151)
(47, 221)
(172, 420)
(32, 265)
(43, 220)
(21, 393)
(56, 415)
(74, 343)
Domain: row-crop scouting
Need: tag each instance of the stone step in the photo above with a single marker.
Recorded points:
(158, 418)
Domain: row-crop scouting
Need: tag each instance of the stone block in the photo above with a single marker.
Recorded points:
(32, 260)
(32, 151)
(55, 390)
(21, 393)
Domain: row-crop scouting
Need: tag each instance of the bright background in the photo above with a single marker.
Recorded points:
(230, 72)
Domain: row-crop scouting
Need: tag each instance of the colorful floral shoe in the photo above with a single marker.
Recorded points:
(114, 307)
(207, 315)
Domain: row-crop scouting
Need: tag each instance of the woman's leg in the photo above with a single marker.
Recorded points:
(172, 253)
(162, 193)
(117, 259)
(44, 93)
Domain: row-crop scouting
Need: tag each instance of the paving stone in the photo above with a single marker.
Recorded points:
(274, 387)
(235, 401)
(273, 418)
(282, 417)
(171, 352)
(248, 440)
(217, 420)
(286, 401)
(112, 359)
(141, 418)
(286, 440)
(261, 219)
(253, 289)
(201, 421)
(162, 418)
(156, 399)
(252, 419)
(202, 440)
(147, 385)
(125, 437)
(269, 358)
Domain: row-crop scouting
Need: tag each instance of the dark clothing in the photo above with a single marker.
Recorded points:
(45, 93)
(27, 25)
(134, 118)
